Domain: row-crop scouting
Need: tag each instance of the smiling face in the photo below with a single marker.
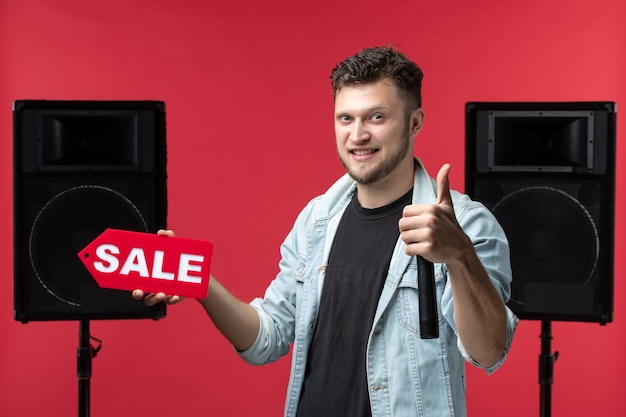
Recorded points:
(375, 133)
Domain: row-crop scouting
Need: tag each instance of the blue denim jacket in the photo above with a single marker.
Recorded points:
(407, 375)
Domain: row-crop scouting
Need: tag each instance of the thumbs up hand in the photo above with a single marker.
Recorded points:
(431, 230)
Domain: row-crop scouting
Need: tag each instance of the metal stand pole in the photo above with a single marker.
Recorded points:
(84, 369)
(85, 354)
(546, 368)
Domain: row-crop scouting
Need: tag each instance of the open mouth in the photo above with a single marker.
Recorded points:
(363, 152)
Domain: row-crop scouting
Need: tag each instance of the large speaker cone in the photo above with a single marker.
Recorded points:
(552, 236)
(65, 225)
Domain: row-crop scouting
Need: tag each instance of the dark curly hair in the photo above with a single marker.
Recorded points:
(374, 64)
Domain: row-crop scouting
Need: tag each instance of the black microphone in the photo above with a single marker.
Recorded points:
(426, 293)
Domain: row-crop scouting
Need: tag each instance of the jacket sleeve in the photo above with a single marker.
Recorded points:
(277, 309)
(492, 248)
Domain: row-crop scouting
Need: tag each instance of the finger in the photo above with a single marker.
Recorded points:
(165, 232)
(160, 296)
(138, 294)
(173, 299)
(443, 186)
(168, 299)
(152, 298)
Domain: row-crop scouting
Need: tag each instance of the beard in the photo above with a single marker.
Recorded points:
(385, 167)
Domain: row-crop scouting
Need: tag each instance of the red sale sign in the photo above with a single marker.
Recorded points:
(124, 260)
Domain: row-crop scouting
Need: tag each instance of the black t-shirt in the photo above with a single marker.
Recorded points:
(335, 383)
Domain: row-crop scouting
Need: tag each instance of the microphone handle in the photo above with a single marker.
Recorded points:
(429, 321)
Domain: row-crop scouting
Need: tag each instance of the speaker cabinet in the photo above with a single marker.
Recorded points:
(547, 172)
(80, 167)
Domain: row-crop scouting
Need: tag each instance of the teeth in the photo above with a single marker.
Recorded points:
(363, 152)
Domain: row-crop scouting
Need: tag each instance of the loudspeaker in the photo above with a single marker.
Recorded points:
(80, 167)
(547, 172)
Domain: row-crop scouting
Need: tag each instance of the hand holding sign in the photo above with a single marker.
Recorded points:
(126, 260)
(151, 299)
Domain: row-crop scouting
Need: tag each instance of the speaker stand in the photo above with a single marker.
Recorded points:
(86, 352)
(546, 368)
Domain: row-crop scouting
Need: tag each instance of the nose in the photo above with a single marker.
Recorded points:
(358, 132)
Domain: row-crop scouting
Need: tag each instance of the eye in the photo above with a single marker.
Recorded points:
(378, 117)
(344, 118)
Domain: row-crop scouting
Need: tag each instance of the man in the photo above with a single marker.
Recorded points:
(346, 293)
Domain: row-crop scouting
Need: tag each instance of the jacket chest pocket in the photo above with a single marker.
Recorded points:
(407, 299)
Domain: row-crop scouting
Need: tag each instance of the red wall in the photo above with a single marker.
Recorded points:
(250, 140)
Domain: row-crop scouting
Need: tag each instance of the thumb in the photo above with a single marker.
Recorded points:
(443, 186)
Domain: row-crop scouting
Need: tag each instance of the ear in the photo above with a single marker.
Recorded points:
(417, 121)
